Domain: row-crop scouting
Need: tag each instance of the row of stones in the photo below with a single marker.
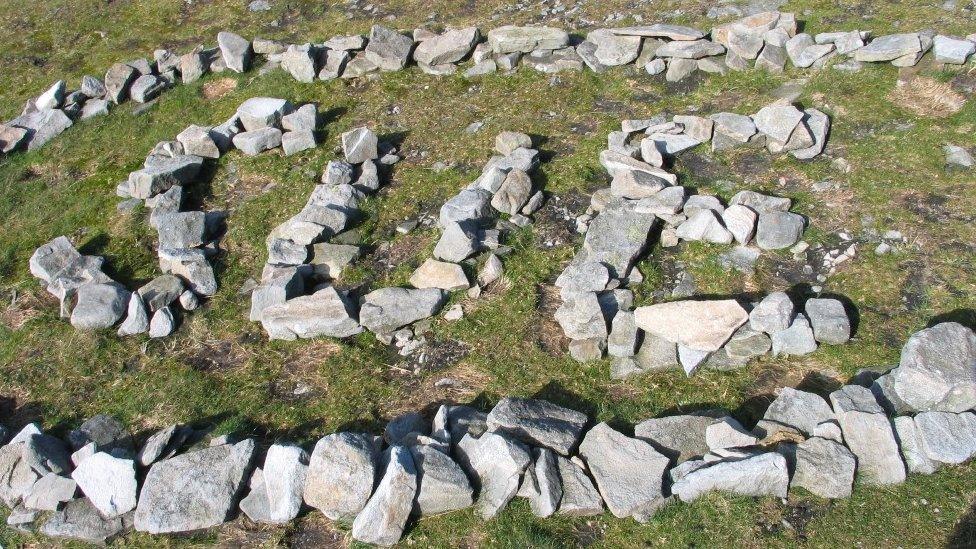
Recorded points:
(187, 239)
(553, 456)
(301, 258)
(621, 223)
(767, 40)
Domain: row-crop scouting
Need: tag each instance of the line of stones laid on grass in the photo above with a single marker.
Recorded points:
(188, 240)
(300, 258)
(767, 41)
(915, 418)
(597, 313)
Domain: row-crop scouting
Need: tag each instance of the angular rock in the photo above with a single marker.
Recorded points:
(388, 49)
(727, 433)
(824, 467)
(442, 484)
(80, 520)
(299, 62)
(117, 80)
(256, 142)
(869, 435)
(235, 50)
(496, 464)
(108, 482)
(829, 320)
(513, 193)
(761, 475)
(262, 112)
(136, 318)
(740, 221)
(704, 225)
(698, 325)
(386, 309)
(798, 409)
(798, 339)
(579, 496)
(950, 50)
(162, 174)
(162, 324)
(819, 125)
(146, 88)
(42, 126)
(192, 266)
(947, 438)
(889, 48)
(581, 317)
(359, 145)
(340, 474)
(511, 39)
(450, 47)
(937, 371)
(326, 313)
(690, 49)
(297, 141)
(778, 230)
(99, 306)
(538, 422)
(629, 472)
(197, 141)
(439, 274)
(614, 49)
(382, 520)
(773, 314)
(910, 444)
(616, 237)
(180, 230)
(541, 484)
(49, 492)
(662, 30)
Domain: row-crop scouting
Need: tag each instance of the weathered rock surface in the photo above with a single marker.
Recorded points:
(80, 520)
(937, 371)
(824, 467)
(829, 320)
(495, 463)
(698, 325)
(869, 435)
(580, 497)
(324, 313)
(340, 475)
(762, 475)
(108, 482)
(382, 520)
(629, 472)
(387, 309)
(538, 422)
(442, 484)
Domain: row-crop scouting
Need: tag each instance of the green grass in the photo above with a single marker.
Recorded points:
(220, 371)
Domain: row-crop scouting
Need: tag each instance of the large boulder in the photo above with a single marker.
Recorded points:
(538, 422)
(628, 472)
(937, 371)
(99, 306)
(386, 309)
(869, 434)
(947, 438)
(616, 237)
(194, 490)
(340, 475)
(698, 325)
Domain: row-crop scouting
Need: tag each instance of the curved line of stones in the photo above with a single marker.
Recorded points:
(597, 313)
(300, 258)
(188, 239)
(766, 41)
(916, 418)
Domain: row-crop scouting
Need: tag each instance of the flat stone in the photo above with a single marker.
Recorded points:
(299, 62)
(256, 142)
(762, 475)
(386, 309)
(778, 230)
(196, 140)
(49, 492)
(108, 482)
(105, 431)
(778, 120)
(869, 435)
(262, 112)
(439, 274)
(285, 469)
(382, 520)
(443, 486)
(538, 422)
(340, 474)
(690, 49)
(326, 313)
(824, 467)
(773, 314)
(99, 306)
(889, 48)
(829, 320)
(579, 496)
(146, 88)
(450, 47)
(699, 325)
(704, 225)
(947, 438)
(747, 344)
(586, 276)
(80, 520)
(798, 409)
(614, 49)
(616, 237)
(180, 230)
(496, 464)
(512, 39)
(388, 49)
(819, 125)
(193, 491)
(798, 339)
(162, 174)
(937, 371)
(629, 472)
(235, 50)
(304, 118)
(162, 323)
(581, 317)
(727, 432)
(916, 460)
(662, 30)
(117, 80)
(42, 126)
(761, 203)
(329, 260)
(679, 437)
(950, 50)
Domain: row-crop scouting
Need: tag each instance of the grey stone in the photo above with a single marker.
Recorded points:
(656, 354)
(340, 474)
(616, 237)
(680, 437)
(359, 145)
(52, 98)
(727, 432)
(772, 58)
(778, 120)
(950, 50)
(798, 339)
(959, 157)
(325, 313)
(511, 39)
(937, 371)
(303, 118)
(108, 482)
(92, 87)
(541, 484)
(193, 65)
(629, 472)
(496, 463)
(387, 309)
(538, 422)
(824, 467)
(740, 221)
(180, 230)
(829, 320)
(146, 88)
(442, 484)
(910, 444)
(819, 125)
(117, 80)
(798, 409)
(382, 520)
(761, 203)
(622, 341)
(80, 520)
(99, 306)
(450, 47)
(49, 492)
(869, 435)
(136, 318)
(439, 274)
(104, 430)
(778, 230)
(579, 496)
(889, 48)
(284, 473)
(690, 359)
(17, 477)
(698, 325)
(162, 324)
(614, 49)
(192, 266)
(297, 141)
(761, 475)
(513, 193)
(704, 225)
(554, 61)
(388, 49)
(491, 271)
(194, 490)
(262, 112)
(747, 344)
(256, 142)
(679, 69)
(690, 49)
(162, 174)
(773, 314)
(161, 444)
(581, 317)
(235, 51)
(197, 141)
(12, 137)
(662, 30)
(42, 126)
(299, 62)
(586, 276)
(947, 438)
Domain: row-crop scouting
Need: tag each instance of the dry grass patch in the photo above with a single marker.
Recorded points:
(218, 88)
(21, 308)
(927, 97)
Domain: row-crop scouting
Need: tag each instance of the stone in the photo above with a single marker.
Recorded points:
(162, 174)
(299, 62)
(180, 230)
(662, 30)
(469, 205)
(439, 274)
(829, 320)
(778, 230)
(255, 505)
(399, 428)
(819, 125)
(679, 69)
(297, 141)
(798, 339)
(235, 51)
(491, 271)
(537, 422)
(704, 225)
(162, 444)
(386, 309)
(614, 49)
(49, 492)
(778, 120)
(958, 157)
(727, 433)
(193, 491)
(255, 142)
(953, 51)
(192, 266)
(196, 140)
(52, 98)
(581, 317)
(359, 145)
(108, 482)
(690, 359)
(740, 221)
(541, 484)
(42, 126)
(889, 48)
(690, 49)
(622, 341)
(586, 276)
(146, 88)
(773, 314)
(303, 118)
(731, 127)
(12, 137)
(340, 474)
(92, 87)
(496, 464)
(136, 318)
(916, 460)
(80, 520)
(746, 344)
(117, 80)
(512, 39)
(388, 49)
(657, 66)
(824, 467)
(513, 193)
(698, 325)
(105, 431)
(262, 112)
(579, 496)
(616, 237)
(162, 323)
(554, 61)
(450, 47)
(937, 371)
(193, 66)
(679, 437)
(869, 435)
(760, 475)
(325, 313)
(442, 484)
(99, 306)
(629, 472)
(798, 409)
(947, 438)
(284, 472)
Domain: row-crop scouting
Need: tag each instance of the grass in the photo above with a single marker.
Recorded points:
(220, 371)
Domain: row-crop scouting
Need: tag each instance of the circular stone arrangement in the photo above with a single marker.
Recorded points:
(914, 419)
